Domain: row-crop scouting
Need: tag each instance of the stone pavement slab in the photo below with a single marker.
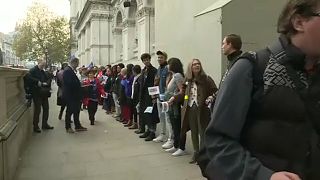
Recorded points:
(107, 151)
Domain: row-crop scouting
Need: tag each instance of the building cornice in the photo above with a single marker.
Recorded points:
(92, 5)
(117, 31)
(129, 23)
(145, 11)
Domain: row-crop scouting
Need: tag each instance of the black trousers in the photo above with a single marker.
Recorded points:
(134, 114)
(92, 109)
(73, 108)
(40, 101)
(62, 109)
(175, 119)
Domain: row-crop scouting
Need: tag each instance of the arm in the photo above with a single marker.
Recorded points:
(228, 158)
(100, 88)
(32, 77)
(157, 78)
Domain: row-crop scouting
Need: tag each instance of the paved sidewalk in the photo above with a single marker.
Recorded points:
(107, 151)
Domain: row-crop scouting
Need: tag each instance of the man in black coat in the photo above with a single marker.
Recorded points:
(40, 85)
(72, 94)
(147, 80)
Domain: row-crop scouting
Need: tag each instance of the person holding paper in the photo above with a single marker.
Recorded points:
(160, 80)
(147, 80)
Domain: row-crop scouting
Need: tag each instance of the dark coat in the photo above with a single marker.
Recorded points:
(205, 88)
(72, 91)
(136, 91)
(146, 80)
(37, 75)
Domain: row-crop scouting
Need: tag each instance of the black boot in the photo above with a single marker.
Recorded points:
(139, 131)
(144, 135)
(150, 137)
(194, 158)
(36, 130)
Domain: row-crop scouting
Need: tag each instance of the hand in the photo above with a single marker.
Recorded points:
(39, 84)
(209, 100)
(284, 176)
(171, 100)
(44, 84)
(154, 101)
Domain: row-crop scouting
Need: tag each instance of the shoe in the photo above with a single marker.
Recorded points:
(160, 138)
(70, 130)
(179, 152)
(78, 129)
(133, 126)
(128, 124)
(91, 122)
(144, 135)
(47, 127)
(194, 158)
(168, 144)
(36, 130)
(171, 150)
(150, 137)
(139, 131)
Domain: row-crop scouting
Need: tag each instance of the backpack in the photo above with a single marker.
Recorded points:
(259, 61)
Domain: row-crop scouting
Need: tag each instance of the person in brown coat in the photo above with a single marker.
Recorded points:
(195, 114)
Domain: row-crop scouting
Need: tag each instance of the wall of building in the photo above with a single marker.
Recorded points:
(182, 35)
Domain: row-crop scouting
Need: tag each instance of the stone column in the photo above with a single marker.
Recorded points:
(87, 42)
(118, 47)
(146, 30)
(128, 38)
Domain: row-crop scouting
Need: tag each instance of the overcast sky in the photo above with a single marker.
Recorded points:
(13, 10)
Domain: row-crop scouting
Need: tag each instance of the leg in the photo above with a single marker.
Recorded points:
(36, 114)
(45, 115)
(175, 127)
(61, 111)
(193, 121)
(76, 113)
(69, 112)
(95, 108)
(162, 119)
(90, 111)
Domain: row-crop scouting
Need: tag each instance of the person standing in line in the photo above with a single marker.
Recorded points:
(160, 80)
(195, 113)
(135, 95)
(147, 80)
(173, 88)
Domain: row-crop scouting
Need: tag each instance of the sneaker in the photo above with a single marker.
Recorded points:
(171, 150)
(81, 129)
(168, 144)
(160, 138)
(70, 130)
(179, 152)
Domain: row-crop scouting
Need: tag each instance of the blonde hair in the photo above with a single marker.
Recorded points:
(189, 74)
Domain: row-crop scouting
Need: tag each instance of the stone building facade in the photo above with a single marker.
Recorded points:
(106, 32)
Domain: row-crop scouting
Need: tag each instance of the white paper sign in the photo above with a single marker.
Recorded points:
(153, 90)
(148, 110)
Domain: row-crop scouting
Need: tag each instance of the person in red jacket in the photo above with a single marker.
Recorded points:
(95, 92)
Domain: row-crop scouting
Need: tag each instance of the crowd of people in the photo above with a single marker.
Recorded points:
(262, 123)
